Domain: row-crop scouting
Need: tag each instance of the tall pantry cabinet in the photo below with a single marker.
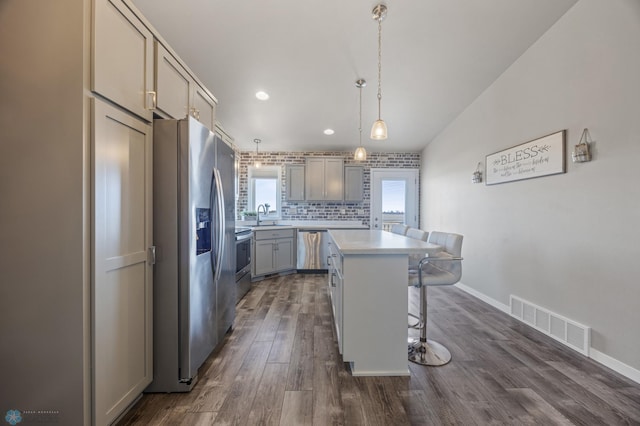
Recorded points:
(122, 72)
(46, 214)
(78, 99)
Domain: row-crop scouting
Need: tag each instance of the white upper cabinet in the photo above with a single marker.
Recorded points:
(295, 182)
(203, 106)
(334, 179)
(178, 93)
(353, 183)
(122, 58)
(173, 84)
(314, 179)
(324, 179)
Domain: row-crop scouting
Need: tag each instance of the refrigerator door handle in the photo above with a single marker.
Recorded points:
(221, 223)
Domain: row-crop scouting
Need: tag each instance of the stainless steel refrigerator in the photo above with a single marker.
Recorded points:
(194, 274)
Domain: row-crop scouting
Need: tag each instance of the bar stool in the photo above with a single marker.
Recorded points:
(399, 228)
(414, 259)
(444, 268)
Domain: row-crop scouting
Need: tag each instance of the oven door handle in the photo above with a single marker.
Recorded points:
(241, 238)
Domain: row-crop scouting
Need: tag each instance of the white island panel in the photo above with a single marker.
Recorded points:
(374, 314)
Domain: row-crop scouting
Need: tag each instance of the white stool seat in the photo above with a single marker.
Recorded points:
(444, 268)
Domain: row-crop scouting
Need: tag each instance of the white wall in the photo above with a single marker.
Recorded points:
(570, 242)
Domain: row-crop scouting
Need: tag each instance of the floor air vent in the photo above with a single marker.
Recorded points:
(571, 333)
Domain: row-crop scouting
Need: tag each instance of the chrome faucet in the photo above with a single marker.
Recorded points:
(264, 210)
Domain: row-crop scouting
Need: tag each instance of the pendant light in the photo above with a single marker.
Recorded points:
(257, 163)
(361, 153)
(379, 128)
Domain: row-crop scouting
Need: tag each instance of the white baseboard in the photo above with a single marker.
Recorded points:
(486, 299)
(615, 365)
(594, 354)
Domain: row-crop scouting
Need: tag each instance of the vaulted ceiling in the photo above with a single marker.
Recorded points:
(437, 57)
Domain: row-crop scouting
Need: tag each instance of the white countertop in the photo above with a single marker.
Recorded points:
(334, 226)
(379, 242)
(320, 225)
(270, 227)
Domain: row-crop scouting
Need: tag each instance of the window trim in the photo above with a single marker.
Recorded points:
(265, 172)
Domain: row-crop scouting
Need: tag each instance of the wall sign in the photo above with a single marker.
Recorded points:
(540, 157)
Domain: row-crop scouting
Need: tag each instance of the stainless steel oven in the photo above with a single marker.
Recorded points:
(244, 237)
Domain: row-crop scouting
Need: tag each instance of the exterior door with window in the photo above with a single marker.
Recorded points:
(394, 198)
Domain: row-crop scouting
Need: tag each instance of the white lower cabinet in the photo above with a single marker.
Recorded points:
(274, 251)
(336, 281)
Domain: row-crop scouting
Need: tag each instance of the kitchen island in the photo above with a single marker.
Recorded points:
(368, 288)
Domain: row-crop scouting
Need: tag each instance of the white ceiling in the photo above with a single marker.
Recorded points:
(437, 57)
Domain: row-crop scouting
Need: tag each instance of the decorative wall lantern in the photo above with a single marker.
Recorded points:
(582, 153)
(477, 175)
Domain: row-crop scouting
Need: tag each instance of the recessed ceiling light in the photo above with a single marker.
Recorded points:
(263, 96)
(328, 131)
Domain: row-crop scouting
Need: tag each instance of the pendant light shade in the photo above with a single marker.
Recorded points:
(379, 128)
(361, 153)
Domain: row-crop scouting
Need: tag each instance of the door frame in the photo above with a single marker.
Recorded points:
(412, 196)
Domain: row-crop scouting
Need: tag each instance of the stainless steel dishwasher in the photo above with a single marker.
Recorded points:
(312, 250)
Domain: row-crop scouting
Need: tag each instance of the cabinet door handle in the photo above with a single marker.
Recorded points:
(329, 260)
(332, 277)
(151, 255)
(151, 95)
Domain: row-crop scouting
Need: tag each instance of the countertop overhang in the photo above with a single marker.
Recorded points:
(306, 225)
(365, 241)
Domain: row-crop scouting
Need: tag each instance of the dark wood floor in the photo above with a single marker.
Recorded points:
(280, 365)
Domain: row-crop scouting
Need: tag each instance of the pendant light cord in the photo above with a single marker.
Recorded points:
(360, 123)
(379, 64)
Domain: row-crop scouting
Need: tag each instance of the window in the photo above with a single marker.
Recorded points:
(264, 188)
(393, 202)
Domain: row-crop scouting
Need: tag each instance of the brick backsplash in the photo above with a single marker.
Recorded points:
(323, 210)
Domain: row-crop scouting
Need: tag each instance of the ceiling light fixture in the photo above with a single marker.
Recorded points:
(361, 153)
(379, 128)
(263, 96)
(257, 163)
(328, 132)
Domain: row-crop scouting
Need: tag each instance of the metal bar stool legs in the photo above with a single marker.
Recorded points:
(425, 351)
